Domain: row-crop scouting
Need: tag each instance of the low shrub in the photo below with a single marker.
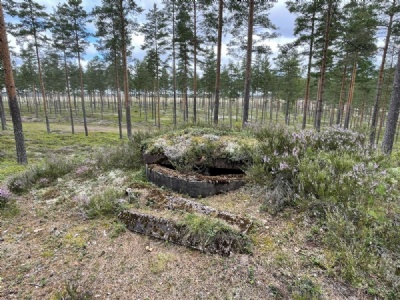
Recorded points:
(71, 291)
(44, 174)
(209, 231)
(5, 197)
(350, 191)
(104, 204)
(125, 156)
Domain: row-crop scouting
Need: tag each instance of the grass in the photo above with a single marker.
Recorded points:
(104, 204)
(211, 231)
(38, 144)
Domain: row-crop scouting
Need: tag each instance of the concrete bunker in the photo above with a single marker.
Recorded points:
(199, 163)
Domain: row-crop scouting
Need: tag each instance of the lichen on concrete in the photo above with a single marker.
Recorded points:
(191, 147)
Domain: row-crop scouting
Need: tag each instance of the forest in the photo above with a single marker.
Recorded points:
(275, 170)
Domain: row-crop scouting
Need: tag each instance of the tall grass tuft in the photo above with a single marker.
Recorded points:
(104, 204)
(125, 156)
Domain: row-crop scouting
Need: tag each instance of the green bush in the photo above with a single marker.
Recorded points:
(44, 174)
(125, 156)
(71, 292)
(104, 204)
(209, 231)
(350, 191)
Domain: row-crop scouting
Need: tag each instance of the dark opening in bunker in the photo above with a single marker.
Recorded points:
(209, 171)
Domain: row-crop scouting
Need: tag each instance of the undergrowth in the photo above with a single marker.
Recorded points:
(350, 191)
(43, 174)
(127, 155)
(212, 232)
(104, 204)
(71, 291)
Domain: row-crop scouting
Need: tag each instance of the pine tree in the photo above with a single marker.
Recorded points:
(391, 11)
(218, 66)
(288, 66)
(62, 41)
(255, 21)
(359, 40)
(156, 34)
(77, 17)
(33, 22)
(393, 114)
(305, 31)
(170, 9)
(331, 17)
(11, 92)
(184, 38)
(116, 20)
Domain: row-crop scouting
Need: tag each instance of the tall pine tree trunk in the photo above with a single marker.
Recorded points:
(323, 67)
(218, 66)
(42, 84)
(194, 64)
(249, 50)
(173, 60)
(82, 94)
(2, 114)
(351, 93)
(310, 53)
(11, 92)
(374, 119)
(125, 73)
(339, 111)
(118, 97)
(393, 113)
(69, 94)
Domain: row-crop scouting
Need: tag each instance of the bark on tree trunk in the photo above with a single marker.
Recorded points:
(194, 65)
(2, 114)
(173, 60)
(374, 119)
(308, 71)
(218, 66)
(125, 74)
(323, 67)
(82, 95)
(248, 64)
(11, 92)
(342, 86)
(42, 86)
(118, 97)
(350, 96)
(393, 113)
(69, 94)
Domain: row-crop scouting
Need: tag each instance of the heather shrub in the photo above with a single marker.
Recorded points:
(348, 190)
(104, 204)
(43, 175)
(128, 155)
(5, 197)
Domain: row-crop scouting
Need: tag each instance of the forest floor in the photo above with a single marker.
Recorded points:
(49, 246)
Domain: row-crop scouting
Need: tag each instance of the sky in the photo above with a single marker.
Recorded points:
(279, 16)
